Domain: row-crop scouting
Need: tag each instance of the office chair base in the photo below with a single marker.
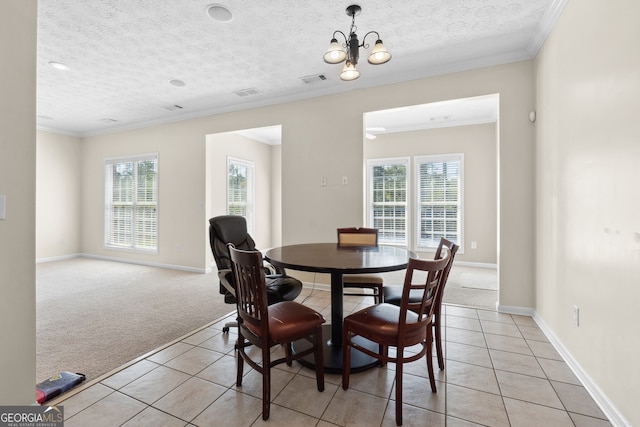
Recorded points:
(228, 325)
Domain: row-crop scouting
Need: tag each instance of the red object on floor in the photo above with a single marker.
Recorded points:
(56, 385)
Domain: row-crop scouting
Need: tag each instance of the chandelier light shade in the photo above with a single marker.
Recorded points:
(349, 51)
(379, 54)
(335, 54)
(349, 72)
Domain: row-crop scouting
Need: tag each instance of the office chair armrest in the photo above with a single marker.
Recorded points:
(226, 281)
(269, 269)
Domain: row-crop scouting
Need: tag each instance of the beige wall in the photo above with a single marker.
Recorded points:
(322, 137)
(222, 145)
(191, 189)
(58, 190)
(18, 184)
(478, 144)
(588, 157)
(181, 199)
(276, 196)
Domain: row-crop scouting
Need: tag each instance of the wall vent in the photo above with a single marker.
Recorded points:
(173, 107)
(252, 91)
(313, 79)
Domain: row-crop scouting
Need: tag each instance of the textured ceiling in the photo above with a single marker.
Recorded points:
(123, 53)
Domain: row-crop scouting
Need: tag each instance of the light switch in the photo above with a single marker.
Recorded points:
(3, 203)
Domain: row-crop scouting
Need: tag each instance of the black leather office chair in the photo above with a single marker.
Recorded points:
(227, 229)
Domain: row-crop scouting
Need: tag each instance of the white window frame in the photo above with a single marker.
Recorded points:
(370, 220)
(131, 243)
(249, 202)
(459, 234)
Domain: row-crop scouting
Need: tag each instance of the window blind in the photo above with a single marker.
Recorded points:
(240, 196)
(388, 199)
(439, 199)
(131, 203)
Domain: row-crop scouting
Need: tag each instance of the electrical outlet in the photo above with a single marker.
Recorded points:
(576, 315)
(345, 180)
(323, 181)
(474, 245)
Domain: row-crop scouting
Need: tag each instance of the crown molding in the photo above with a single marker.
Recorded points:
(59, 131)
(547, 23)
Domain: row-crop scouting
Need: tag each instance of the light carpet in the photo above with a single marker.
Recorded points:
(94, 316)
(478, 278)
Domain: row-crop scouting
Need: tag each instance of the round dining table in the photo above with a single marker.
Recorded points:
(338, 261)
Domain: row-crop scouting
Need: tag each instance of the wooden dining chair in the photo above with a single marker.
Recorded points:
(361, 237)
(393, 295)
(265, 326)
(401, 326)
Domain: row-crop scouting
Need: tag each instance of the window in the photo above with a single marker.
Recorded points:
(240, 198)
(131, 203)
(388, 187)
(438, 199)
(419, 219)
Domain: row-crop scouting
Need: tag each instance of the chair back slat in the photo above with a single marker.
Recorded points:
(451, 249)
(251, 290)
(357, 236)
(414, 324)
(427, 287)
(262, 327)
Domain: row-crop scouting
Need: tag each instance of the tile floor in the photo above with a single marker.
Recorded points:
(500, 371)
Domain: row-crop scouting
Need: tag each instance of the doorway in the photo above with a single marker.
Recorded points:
(467, 128)
(260, 147)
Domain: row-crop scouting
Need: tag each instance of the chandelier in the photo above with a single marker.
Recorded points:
(336, 54)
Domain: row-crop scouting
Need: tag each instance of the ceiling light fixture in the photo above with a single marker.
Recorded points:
(219, 13)
(369, 132)
(336, 54)
(59, 66)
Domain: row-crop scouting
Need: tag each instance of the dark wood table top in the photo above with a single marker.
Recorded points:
(336, 260)
(330, 258)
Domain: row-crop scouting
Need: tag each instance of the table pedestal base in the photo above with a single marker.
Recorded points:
(333, 354)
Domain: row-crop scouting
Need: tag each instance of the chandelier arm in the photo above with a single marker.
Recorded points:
(345, 44)
(366, 46)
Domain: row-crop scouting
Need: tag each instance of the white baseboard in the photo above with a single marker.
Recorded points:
(57, 258)
(603, 402)
(475, 264)
(608, 408)
(128, 261)
(150, 264)
(512, 309)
